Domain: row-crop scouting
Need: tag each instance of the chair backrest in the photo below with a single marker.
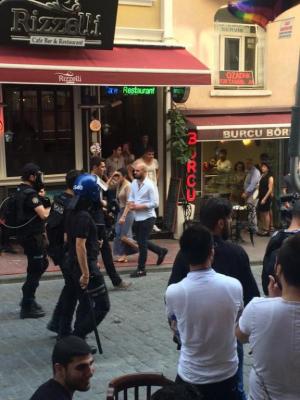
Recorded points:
(140, 384)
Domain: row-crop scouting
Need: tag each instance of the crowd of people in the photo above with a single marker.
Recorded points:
(248, 184)
(213, 303)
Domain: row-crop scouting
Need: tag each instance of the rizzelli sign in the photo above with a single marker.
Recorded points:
(69, 23)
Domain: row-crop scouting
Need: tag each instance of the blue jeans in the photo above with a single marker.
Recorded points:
(239, 374)
(119, 247)
(142, 231)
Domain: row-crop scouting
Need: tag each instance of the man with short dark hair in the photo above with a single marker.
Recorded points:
(272, 327)
(275, 243)
(73, 367)
(206, 305)
(229, 259)
(98, 168)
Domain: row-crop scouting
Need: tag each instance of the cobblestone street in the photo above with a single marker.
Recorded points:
(135, 337)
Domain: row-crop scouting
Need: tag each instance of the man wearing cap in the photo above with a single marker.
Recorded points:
(73, 367)
(32, 212)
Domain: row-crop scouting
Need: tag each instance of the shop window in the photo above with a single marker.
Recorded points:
(41, 120)
(239, 53)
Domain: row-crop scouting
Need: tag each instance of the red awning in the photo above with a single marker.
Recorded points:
(241, 126)
(120, 66)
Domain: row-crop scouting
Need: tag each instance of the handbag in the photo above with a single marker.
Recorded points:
(255, 194)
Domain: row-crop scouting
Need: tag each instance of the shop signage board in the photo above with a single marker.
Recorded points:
(236, 78)
(60, 23)
(278, 132)
(130, 90)
(286, 28)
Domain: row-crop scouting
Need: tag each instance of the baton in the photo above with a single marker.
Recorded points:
(94, 322)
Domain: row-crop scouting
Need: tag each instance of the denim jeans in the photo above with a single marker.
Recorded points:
(142, 231)
(239, 374)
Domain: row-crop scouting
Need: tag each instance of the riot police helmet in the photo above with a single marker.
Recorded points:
(87, 186)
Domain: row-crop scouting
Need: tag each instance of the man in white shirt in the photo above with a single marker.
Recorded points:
(206, 305)
(143, 200)
(272, 327)
(250, 194)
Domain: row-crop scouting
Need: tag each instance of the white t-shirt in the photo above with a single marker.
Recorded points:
(206, 305)
(273, 326)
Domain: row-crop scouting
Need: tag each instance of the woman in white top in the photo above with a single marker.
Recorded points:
(151, 164)
(272, 327)
(123, 244)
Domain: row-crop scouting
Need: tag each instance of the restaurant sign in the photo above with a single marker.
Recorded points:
(64, 23)
(278, 132)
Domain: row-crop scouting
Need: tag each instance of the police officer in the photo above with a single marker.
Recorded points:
(83, 251)
(63, 313)
(98, 169)
(32, 210)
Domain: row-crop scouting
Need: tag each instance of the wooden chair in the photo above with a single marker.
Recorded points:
(140, 383)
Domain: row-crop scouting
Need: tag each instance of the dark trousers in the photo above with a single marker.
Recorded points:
(99, 298)
(35, 250)
(239, 374)
(64, 310)
(107, 257)
(142, 232)
(225, 390)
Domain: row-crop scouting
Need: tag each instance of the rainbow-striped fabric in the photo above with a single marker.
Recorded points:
(260, 12)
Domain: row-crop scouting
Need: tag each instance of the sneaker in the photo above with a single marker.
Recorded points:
(156, 228)
(123, 285)
(31, 312)
(161, 256)
(138, 273)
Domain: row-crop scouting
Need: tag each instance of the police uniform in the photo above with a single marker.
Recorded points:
(99, 219)
(32, 238)
(80, 224)
(63, 313)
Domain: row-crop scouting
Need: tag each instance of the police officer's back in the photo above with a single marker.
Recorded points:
(31, 235)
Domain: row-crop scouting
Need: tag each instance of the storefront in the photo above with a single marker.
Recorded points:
(50, 91)
(258, 135)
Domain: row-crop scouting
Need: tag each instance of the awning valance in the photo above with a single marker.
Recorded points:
(120, 66)
(241, 126)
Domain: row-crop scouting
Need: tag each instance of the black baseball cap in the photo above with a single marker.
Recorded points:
(29, 169)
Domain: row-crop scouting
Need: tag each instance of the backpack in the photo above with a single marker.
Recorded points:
(55, 228)
(12, 213)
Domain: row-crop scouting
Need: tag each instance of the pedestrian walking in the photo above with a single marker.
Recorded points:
(32, 212)
(143, 200)
(98, 168)
(83, 251)
(123, 244)
(61, 320)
